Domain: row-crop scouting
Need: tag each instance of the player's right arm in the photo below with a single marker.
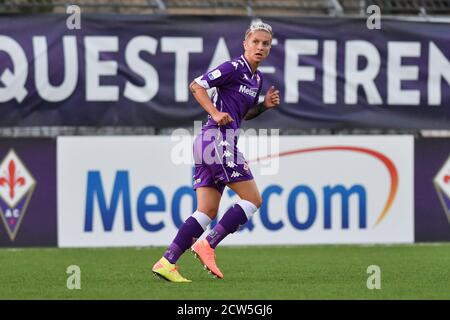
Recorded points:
(201, 95)
(221, 76)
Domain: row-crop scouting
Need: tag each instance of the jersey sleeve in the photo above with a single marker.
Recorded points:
(219, 76)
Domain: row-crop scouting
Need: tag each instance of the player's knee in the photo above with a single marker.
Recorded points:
(210, 212)
(257, 201)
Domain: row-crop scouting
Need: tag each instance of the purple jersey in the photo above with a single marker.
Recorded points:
(237, 89)
(218, 161)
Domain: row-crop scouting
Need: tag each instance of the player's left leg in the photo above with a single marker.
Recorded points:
(236, 216)
(239, 213)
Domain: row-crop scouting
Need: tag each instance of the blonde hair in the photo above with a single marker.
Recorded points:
(256, 25)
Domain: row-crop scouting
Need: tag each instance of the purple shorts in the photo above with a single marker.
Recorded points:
(218, 161)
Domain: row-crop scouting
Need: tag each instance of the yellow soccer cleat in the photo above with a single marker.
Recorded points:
(168, 271)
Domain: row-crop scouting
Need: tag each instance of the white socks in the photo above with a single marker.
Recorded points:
(248, 207)
(202, 219)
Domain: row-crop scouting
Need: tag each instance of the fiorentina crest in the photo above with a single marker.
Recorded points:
(16, 187)
(442, 184)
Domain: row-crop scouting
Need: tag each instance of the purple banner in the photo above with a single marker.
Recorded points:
(432, 189)
(27, 192)
(135, 71)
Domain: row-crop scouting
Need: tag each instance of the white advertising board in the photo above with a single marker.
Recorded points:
(133, 191)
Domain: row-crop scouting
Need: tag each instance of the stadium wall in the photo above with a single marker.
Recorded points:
(136, 190)
(333, 74)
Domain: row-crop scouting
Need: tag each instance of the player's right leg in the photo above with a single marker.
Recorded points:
(208, 202)
(168, 271)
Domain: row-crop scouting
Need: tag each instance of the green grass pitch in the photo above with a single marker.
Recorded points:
(419, 271)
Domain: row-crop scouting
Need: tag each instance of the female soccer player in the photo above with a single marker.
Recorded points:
(218, 162)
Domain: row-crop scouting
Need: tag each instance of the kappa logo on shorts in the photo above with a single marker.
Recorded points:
(231, 164)
(442, 184)
(224, 143)
(235, 174)
(16, 188)
(227, 154)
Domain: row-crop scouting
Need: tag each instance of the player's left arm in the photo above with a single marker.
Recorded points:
(271, 100)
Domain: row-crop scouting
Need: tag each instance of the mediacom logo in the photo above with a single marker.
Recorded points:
(320, 199)
(16, 188)
(442, 185)
(386, 161)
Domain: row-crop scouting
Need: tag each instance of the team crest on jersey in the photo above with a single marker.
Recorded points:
(246, 166)
(258, 79)
(16, 188)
